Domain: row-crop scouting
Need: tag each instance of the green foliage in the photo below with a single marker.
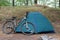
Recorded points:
(4, 3)
(51, 3)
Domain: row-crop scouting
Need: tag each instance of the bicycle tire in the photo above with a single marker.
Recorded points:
(12, 28)
(27, 32)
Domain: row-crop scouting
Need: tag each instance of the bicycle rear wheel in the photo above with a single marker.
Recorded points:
(8, 27)
(28, 31)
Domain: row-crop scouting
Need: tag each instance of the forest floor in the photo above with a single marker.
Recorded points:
(20, 36)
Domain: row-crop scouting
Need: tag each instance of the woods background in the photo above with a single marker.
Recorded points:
(50, 8)
(50, 3)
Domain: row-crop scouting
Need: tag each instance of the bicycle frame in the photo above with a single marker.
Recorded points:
(24, 20)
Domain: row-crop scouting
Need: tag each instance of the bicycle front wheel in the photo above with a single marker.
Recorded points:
(28, 30)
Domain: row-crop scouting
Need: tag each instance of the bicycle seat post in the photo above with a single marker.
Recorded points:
(14, 20)
(27, 14)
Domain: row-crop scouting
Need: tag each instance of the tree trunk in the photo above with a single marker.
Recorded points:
(59, 3)
(26, 2)
(55, 3)
(13, 3)
(35, 1)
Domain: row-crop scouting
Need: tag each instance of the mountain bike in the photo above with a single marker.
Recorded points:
(26, 27)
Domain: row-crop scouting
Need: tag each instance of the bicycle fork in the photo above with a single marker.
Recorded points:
(27, 26)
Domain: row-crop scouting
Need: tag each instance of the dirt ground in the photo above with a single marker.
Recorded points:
(20, 36)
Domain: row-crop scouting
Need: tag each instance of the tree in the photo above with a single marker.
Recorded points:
(59, 3)
(13, 4)
(55, 3)
(26, 2)
(35, 1)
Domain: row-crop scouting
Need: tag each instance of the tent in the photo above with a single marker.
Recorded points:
(41, 23)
